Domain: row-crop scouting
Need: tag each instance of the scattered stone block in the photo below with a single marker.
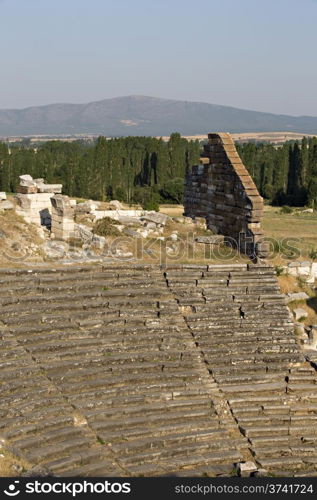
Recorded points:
(294, 263)
(156, 217)
(86, 207)
(26, 180)
(27, 189)
(6, 205)
(99, 241)
(260, 473)
(300, 313)
(216, 239)
(148, 225)
(291, 297)
(245, 469)
(3, 196)
(49, 188)
(115, 205)
(84, 232)
(305, 263)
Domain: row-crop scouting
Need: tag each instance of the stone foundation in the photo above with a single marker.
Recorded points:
(222, 191)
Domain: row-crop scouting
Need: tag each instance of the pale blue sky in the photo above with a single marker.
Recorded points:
(250, 54)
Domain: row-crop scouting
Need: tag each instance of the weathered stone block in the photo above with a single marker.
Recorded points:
(300, 313)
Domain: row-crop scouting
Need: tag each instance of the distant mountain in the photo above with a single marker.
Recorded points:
(140, 115)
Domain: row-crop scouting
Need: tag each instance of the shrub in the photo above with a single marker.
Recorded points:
(279, 270)
(286, 210)
(147, 197)
(106, 227)
(152, 204)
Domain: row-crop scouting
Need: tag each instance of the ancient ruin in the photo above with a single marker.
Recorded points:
(34, 200)
(133, 369)
(63, 225)
(222, 191)
(120, 371)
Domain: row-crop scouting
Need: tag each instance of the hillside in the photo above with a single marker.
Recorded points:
(140, 115)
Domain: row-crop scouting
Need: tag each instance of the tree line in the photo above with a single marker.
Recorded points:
(141, 170)
(284, 175)
(150, 171)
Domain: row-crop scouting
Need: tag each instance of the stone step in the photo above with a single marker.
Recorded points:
(97, 420)
(102, 468)
(42, 454)
(148, 408)
(157, 381)
(287, 463)
(49, 424)
(254, 388)
(169, 441)
(272, 411)
(90, 456)
(49, 437)
(221, 457)
(151, 432)
(118, 396)
(256, 348)
(195, 449)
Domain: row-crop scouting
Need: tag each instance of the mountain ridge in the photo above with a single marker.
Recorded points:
(145, 115)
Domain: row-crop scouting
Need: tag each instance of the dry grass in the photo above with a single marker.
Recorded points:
(16, 239)
(288, 284)
(10, 465)
(297, 230)
(172, 210)
(291, 284)
(293, 235)
(310, 306)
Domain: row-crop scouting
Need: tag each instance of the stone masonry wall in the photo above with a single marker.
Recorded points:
(222, 191)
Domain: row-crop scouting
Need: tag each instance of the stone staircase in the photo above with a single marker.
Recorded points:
(139, 371)
(242, 328)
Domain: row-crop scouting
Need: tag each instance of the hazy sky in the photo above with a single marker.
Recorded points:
(252, 54)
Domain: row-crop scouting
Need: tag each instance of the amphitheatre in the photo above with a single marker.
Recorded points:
(125, 368)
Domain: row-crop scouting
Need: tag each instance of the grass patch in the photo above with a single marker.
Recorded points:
(10, 465)
(106, 227)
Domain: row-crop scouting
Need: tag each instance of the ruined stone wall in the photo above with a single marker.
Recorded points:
(222, 191)
(34, 200)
